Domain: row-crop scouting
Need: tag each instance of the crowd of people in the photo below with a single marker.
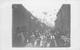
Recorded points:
(37, 38)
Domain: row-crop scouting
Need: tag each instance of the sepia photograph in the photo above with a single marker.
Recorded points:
(41, 28)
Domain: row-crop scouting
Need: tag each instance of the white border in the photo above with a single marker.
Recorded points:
(6, 26)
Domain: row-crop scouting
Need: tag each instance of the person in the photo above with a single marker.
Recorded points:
(48, 44)
(33, 39)
(22, 37)
(29, 45)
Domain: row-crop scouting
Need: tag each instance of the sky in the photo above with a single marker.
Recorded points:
(39, 8)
